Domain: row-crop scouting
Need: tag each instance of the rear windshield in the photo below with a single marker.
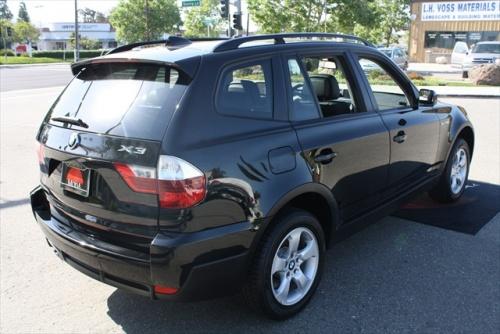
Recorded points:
(134, 100)
(487, 48)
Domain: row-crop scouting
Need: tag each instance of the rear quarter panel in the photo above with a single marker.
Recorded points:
(235, 153)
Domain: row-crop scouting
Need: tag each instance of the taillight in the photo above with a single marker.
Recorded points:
(178, 184)
(138, 178)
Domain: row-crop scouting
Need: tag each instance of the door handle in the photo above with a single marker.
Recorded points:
(400, 137)
(325, 157)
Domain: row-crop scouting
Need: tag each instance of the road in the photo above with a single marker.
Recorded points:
(28, 77)
(392, 277)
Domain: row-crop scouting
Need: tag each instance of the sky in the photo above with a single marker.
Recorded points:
(42, 12)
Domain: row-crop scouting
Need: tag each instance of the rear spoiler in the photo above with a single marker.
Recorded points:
(191, 64)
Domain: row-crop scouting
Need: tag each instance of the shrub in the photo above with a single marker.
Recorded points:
(60, 54)
(7, 52)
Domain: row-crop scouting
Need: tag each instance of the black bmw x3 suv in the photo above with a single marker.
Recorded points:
(192, 169)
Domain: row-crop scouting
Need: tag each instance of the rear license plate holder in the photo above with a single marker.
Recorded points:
(75, 180)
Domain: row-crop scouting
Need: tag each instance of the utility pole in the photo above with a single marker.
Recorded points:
(146, 9)
(77, 38)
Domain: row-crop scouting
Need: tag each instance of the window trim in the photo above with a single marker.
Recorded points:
(403, 82)
(242, 64)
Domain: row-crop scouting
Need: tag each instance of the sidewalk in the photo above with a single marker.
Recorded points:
(30, 65)
(474, 92)
(434, 68)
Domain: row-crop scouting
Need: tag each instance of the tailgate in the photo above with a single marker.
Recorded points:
(85, 189)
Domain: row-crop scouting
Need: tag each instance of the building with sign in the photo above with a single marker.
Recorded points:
(437, 25)
(57, 35)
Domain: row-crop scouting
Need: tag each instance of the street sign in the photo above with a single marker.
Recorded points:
(191, 3)
(209, 21)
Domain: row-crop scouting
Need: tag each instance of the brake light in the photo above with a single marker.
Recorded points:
(138, 178)
(179, 184)
(165, 290)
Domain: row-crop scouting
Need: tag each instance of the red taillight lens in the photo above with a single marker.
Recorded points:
(181, 193)
(179, 184)
(165, 290)
(139, 179)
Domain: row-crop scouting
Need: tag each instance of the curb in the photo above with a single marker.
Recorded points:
(28, 65)
(470, 96)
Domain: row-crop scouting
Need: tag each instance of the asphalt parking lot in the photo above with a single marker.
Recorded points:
(396, 276)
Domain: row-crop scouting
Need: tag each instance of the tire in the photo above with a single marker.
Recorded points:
(465, 74)
(452, 183)
(263, 288)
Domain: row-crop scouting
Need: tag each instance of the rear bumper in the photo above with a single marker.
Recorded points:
(200, 265)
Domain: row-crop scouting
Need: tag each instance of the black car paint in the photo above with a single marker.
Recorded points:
(254, 168)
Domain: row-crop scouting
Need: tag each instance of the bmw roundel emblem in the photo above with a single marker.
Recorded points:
(74, 140)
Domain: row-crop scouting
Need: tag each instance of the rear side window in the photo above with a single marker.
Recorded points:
(246, 91)
(134, 100)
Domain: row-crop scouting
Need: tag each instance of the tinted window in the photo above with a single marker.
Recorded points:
(386, 90)
(486, 48)
(246, 91)
(123, 99)
(330, 85)
(303, 101)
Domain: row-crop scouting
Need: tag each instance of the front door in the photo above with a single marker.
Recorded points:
(346, 147)
(413, 132)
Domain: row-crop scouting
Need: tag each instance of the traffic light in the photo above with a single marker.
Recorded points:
(224, 9)
(237, 21)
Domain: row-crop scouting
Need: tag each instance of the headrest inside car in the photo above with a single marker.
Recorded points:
(325, 86)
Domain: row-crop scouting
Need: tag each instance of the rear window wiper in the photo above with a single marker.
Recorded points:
(70, 120)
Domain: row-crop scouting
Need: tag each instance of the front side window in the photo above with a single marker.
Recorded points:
(330, 85)
(246, 91)
(386, 90)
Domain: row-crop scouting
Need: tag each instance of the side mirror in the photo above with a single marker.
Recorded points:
(427, 97)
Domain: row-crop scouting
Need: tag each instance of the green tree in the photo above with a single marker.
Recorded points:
(85, 43)
(6, 32)
(25, 32)
(5, 12)
(197, 19)
(394, 16)
(139, 20)
(375, 20)
(89, 15)
(288, 15)
(23, 15)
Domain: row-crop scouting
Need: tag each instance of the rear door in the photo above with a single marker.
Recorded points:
(345, 146)
(100, 144)
(413, 132)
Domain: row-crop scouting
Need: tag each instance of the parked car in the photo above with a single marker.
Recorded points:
(481, 53)
(397, 55)
(460, 51)
(196, 169)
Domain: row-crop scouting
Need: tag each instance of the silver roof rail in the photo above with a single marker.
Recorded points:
(234, 43)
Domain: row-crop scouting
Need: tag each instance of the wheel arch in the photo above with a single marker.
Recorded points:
(468, 135)
(315, 198)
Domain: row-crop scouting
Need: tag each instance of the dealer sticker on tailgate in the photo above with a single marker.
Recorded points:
(75, 180)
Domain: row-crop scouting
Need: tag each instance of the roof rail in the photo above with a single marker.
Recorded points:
(280, 39)
(172, 42)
